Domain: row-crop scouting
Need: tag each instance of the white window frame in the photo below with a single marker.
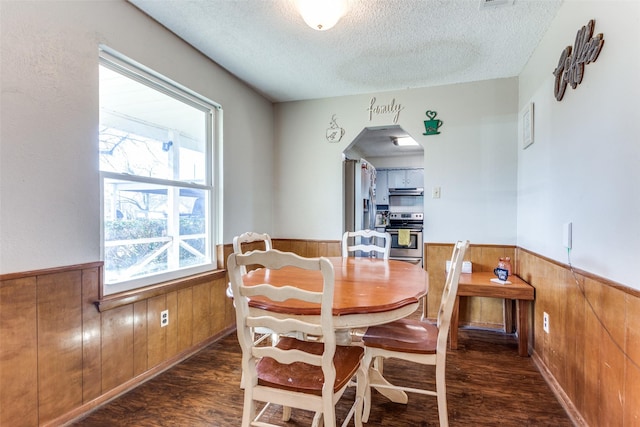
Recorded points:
(136, 71)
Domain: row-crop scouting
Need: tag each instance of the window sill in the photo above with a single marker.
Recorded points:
(129, 297)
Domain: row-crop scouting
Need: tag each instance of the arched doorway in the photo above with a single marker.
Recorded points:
(375, 162)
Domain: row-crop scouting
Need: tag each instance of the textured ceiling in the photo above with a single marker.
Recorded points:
(378, 45)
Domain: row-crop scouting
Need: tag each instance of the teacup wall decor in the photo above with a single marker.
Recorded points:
(432, 125)
(334, 131)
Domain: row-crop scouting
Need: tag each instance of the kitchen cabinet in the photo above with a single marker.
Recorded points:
(405, 178)
(382, 187)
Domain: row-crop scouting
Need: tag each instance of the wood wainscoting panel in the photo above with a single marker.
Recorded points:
(64, 349)
(18, 353)
(219, 303)
(300, 247)
(172, 327)
(184, 319)
(612, 359)
(157, 338)
(632, 361)
(436, 256)
(589, 404)
(329, 249)
(201, 305)
(284, 245)
(592, 350)
(118, 346)
(305, 248)
(310, 248)
(91, 336)
(140, 337)
(60, 353)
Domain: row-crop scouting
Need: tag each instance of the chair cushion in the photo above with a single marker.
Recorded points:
(404, 335)
(303, 377)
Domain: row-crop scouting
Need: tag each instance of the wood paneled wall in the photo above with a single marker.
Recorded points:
(305, 248)
(60, 355)
(591, 354)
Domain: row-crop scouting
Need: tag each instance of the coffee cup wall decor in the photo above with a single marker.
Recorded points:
(432, 125)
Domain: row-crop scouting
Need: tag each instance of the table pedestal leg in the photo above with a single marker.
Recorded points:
(397, 396)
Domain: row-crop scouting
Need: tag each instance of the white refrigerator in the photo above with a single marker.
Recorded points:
(359, 195)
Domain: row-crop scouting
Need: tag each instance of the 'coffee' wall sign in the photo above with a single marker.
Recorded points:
(570, 69)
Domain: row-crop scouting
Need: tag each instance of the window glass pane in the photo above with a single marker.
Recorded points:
(146, 132)
(156, 140)
(150, 228)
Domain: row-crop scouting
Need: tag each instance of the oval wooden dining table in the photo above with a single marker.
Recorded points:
(367, 292)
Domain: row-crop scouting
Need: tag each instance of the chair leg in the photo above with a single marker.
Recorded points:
(366, 410)
(249, 410)
(362, 386)
(366, 407)
(441, 392)
(286, 413)
(318, 420)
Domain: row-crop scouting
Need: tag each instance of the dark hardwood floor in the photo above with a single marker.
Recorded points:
(487, 385)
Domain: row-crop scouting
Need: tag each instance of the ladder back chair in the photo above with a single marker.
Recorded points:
(353, 241)
(371, 248)
(294, 373)
(251, 238)
(240, 244)
(416, 341)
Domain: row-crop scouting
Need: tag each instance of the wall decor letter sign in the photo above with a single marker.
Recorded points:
(391, 108)
(570, 69)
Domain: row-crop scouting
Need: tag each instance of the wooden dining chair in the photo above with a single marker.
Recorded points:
(260, 241)
(416, 341)
(293, 373)
(253, 240)
(352, 241)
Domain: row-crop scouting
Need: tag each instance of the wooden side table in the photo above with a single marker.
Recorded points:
(479, 284)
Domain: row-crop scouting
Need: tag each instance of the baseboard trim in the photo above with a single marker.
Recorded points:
(557, 390)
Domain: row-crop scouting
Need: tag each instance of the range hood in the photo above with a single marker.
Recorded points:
(417, 191)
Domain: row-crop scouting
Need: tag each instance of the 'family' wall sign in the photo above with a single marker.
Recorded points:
(570, 69)
(390, 108)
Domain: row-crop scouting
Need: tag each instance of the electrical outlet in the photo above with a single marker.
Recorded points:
(545, 322)
(164, 318)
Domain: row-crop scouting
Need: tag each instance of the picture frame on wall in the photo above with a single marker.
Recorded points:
(527, 125)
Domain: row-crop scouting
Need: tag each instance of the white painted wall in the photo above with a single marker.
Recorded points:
(473, 160)
(49, 183)
(584, 165)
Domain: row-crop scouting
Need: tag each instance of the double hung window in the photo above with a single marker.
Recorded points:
(156, 151)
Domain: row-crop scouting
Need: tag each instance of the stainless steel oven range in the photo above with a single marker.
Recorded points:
(405, 229)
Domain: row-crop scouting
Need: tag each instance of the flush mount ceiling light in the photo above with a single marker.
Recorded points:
(321, 14)
(404, 141)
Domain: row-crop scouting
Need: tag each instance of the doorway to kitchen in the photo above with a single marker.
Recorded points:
(384, 188)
